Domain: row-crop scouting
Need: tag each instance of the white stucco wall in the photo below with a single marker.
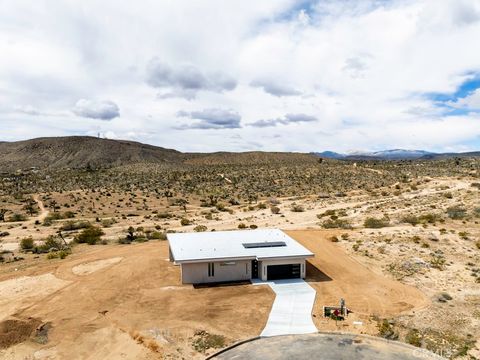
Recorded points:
(196, 273)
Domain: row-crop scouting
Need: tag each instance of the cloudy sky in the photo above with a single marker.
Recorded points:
(243, 75)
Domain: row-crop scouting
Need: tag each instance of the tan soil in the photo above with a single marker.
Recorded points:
(336, 275)
(91, 267)
(126, 307)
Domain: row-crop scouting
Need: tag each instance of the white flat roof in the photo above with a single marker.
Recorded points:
(228, 245)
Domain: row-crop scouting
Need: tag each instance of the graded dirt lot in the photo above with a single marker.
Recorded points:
(336, 275)
(133, 309)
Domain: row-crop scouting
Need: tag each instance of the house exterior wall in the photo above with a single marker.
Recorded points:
(197, 273)
(262, 270)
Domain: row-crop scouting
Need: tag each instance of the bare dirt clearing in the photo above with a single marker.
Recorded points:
(91, 267)
(134, 308)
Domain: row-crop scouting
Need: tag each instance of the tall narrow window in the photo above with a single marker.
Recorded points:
(211, 269)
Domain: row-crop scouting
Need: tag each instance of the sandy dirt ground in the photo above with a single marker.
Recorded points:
(134, 308)
(335, 275)
(381, 273)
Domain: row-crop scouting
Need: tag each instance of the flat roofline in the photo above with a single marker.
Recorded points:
(285, 257)
(240, 258)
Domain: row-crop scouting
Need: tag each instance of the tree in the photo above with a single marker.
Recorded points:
(2, 214)
(183, 204)
(53, 205)
(30, 207)
(131, 233)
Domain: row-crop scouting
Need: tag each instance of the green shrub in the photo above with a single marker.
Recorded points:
(185, 222)
(200, 228)
(410, 219)
(414, 338)
(75, 225)
(17, 218)
(157, 235)
(456, 212)
(27, 243)
(336, 224)
(373, 223)
(90, 236)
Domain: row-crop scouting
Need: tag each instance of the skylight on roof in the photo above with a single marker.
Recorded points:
(265, 244)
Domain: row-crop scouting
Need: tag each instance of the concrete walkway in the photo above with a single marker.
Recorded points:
(292, 309)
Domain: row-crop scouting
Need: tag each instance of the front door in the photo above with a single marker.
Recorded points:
(254, 269)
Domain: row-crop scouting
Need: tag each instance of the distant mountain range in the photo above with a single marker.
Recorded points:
(394, 154)
(86, 151)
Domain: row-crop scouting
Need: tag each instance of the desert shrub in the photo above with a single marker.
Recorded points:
(203, 341)
(414, 338)
(60, 215)
(242, 226)
(74, 225)
(410, 219)
(185, 222)
(437, 261)
(385, 330)
(27, 243)
(106, 223)
(456, 212)
(221, 207)
(333, 239)
(477, 244)
(429, 218)
(374, 223)
(274, 209)
(157, 235)
(200, 228)
(164, 215)
(336, 224)
(17, 218)
(253, 226)
(326, 213)
(4, 233)
(51, 243)
(90, 236)
(262, 206)
(297, 208)
(476, 212)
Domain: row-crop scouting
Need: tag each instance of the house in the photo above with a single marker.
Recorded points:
(221, 256)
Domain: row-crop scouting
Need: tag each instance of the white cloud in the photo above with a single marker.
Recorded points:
(363, 69)
(102, 110)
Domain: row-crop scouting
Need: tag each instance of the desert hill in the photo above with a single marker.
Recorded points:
(79, 152)
(84, 151)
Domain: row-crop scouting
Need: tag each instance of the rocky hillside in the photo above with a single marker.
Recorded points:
(80, 152)
(84, 151)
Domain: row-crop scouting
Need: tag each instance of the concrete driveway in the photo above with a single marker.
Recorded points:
(292, 309)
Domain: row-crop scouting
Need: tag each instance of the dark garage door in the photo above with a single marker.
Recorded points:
(288, 271)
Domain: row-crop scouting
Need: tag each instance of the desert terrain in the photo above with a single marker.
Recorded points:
(84, 270)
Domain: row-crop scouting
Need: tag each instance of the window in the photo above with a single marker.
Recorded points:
(211, 269)
(228, 263)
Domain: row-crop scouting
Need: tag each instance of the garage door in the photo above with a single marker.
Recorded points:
(288, 271)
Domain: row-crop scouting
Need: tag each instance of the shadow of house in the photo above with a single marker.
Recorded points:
(314, 274)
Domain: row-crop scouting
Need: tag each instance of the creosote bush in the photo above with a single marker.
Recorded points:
(90, 236)
(27, 243)
(374, 223)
